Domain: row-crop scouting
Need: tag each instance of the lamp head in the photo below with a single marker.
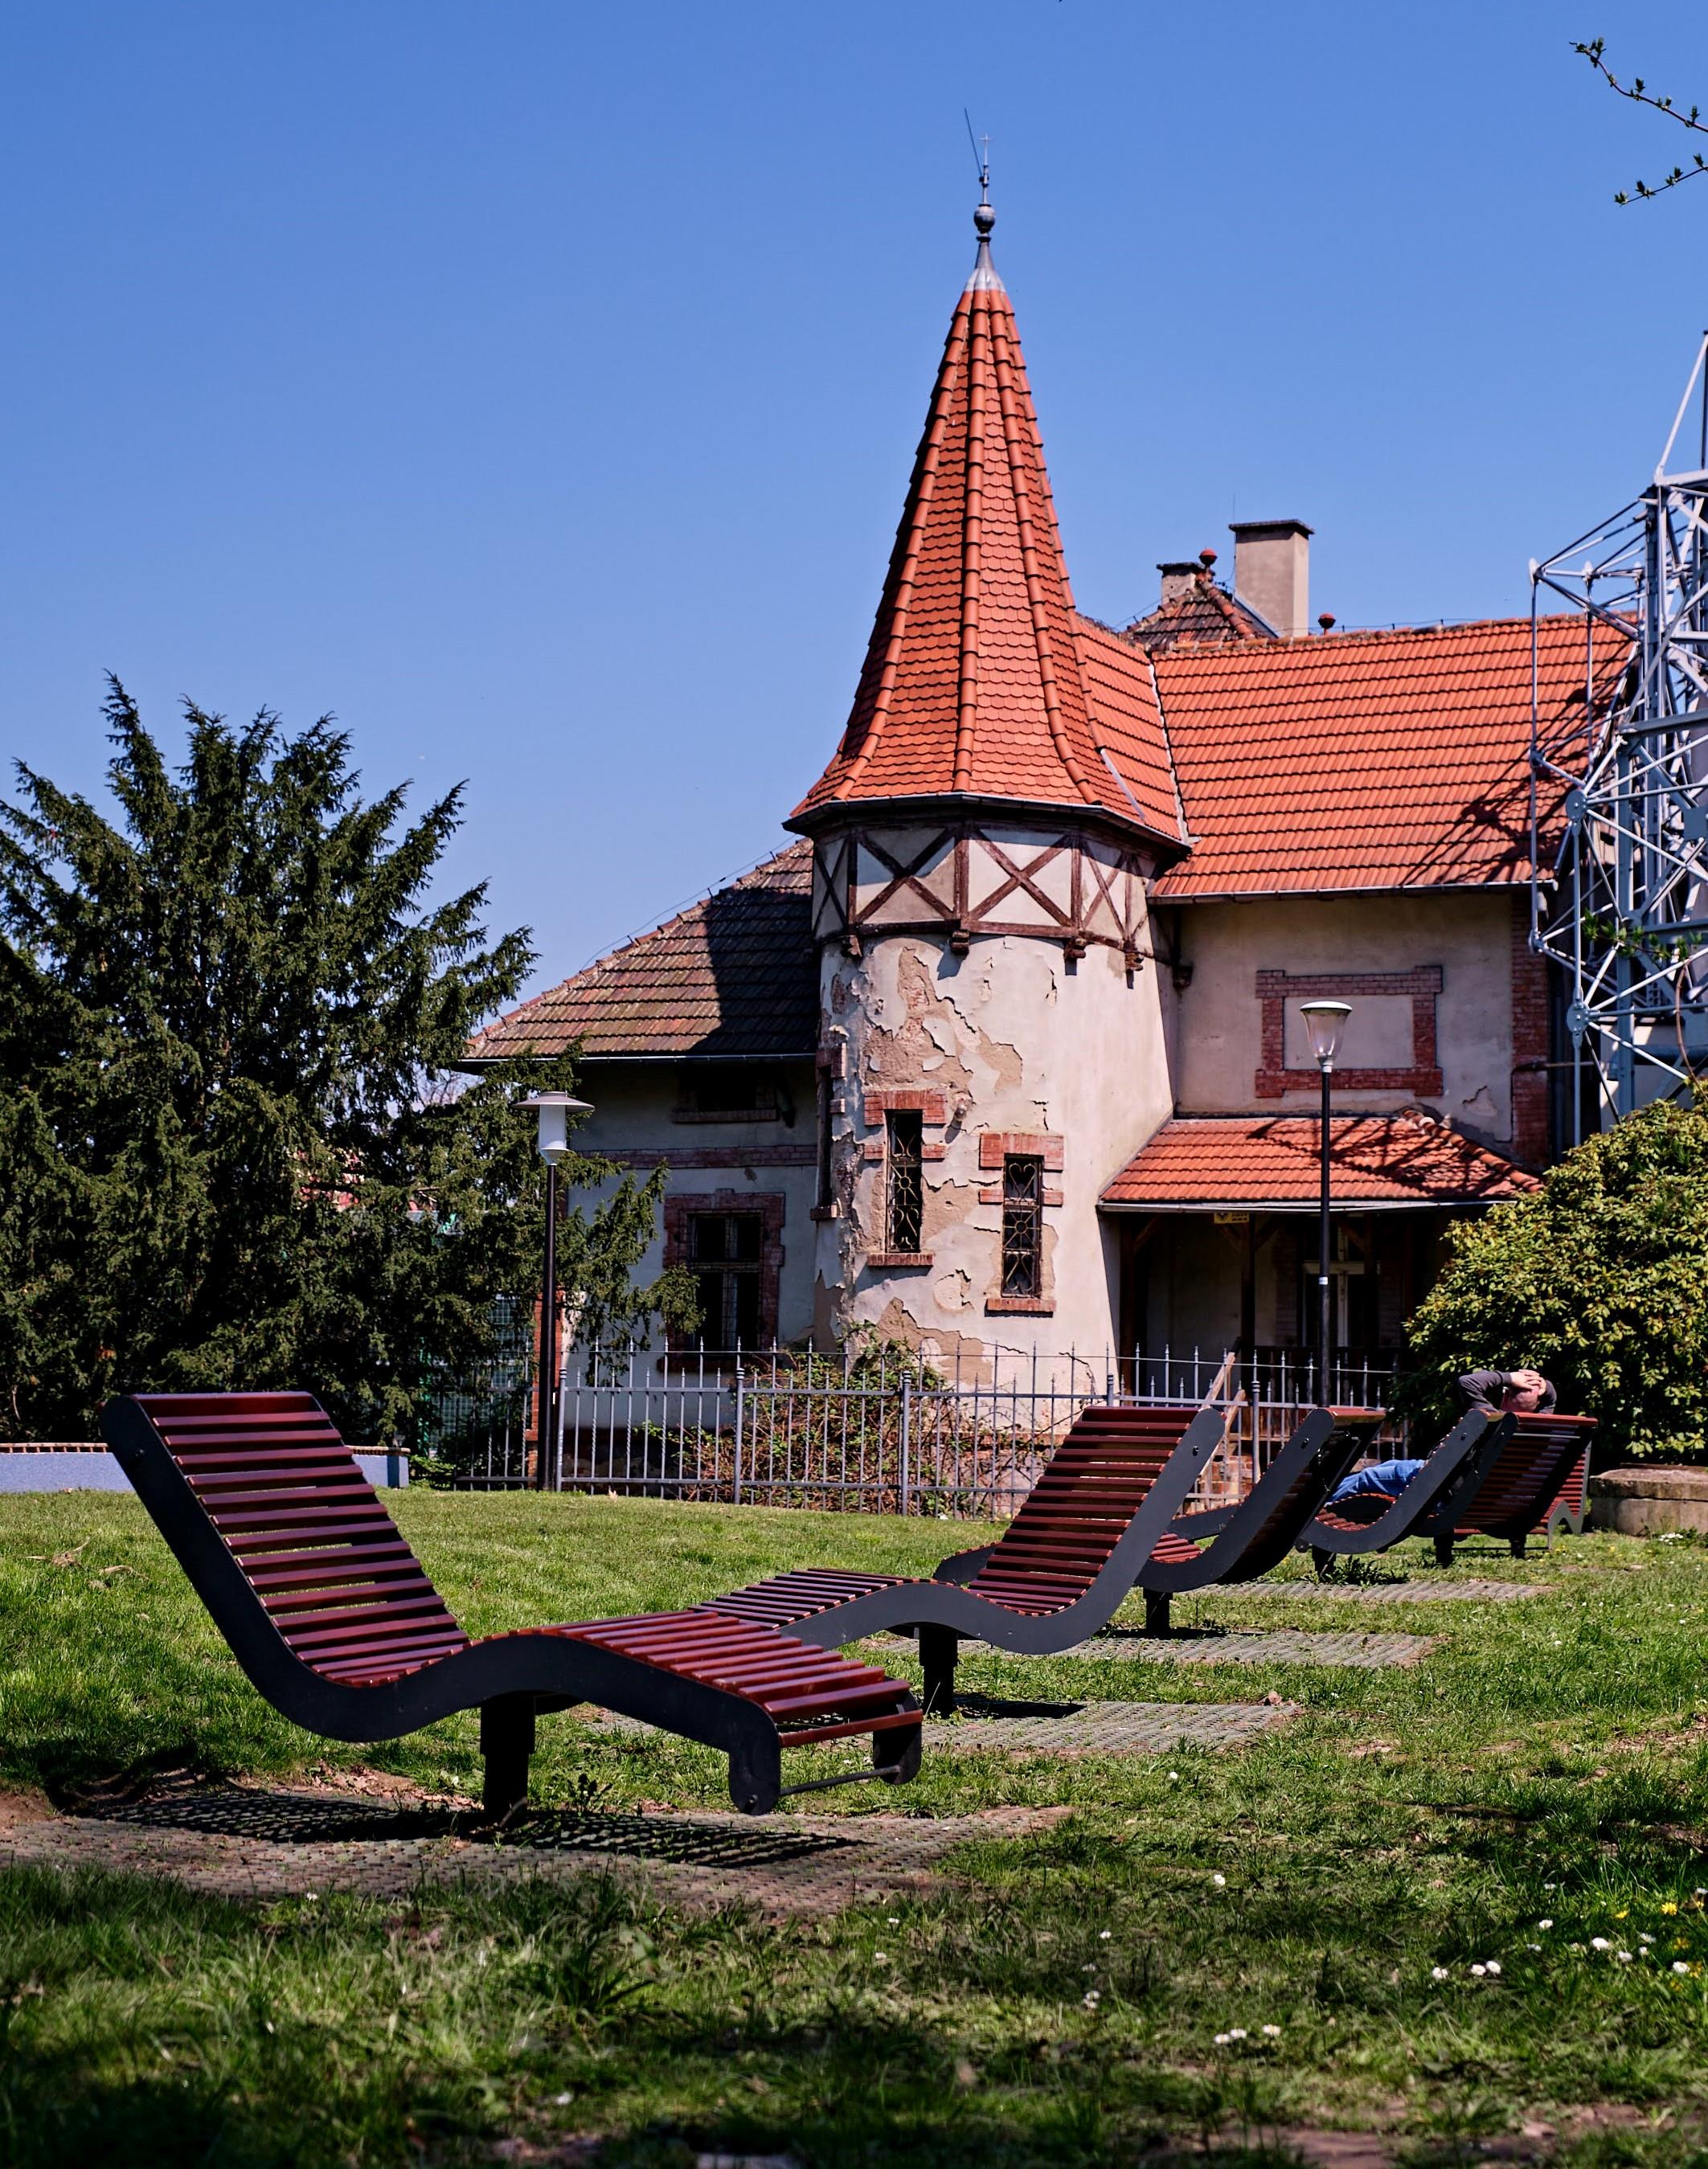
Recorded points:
(1323, 1022)
(554, 1110)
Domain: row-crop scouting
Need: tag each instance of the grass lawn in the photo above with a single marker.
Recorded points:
(1056, 1999)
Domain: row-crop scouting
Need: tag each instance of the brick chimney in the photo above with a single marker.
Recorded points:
(1177, 580)
(1272, 571)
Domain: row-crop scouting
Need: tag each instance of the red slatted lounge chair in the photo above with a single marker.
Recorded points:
(1521, 1487)
(1373, 1521)
(1065, 1566)
(334, 1621)
(1239, 1543)
(1075, 1549)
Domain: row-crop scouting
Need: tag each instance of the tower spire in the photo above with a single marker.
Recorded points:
(973, 682)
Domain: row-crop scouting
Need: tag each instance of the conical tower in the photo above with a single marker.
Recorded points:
(983, 836)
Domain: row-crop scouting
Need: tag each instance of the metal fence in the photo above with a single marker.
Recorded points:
(878, 1432)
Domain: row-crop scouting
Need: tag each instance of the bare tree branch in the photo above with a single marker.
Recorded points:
(1639, 93)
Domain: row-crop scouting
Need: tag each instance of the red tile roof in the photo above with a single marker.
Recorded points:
(735, 976)
(1367, 760)
(1201, 612)
(1202, 1163)
(1122, 689)
(973, 682)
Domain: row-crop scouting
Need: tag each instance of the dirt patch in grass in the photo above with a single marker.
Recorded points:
(23, 1807)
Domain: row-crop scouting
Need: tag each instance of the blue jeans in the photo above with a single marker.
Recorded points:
(1390, 1477)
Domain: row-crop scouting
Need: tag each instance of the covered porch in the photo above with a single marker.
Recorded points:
(1214, 1227)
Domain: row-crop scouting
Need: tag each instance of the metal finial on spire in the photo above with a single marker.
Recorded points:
(984, 218)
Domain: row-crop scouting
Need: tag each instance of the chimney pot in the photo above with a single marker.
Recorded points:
(1326, 621)
(1272, 571)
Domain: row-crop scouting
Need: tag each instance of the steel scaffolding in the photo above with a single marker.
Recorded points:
(1622, 908)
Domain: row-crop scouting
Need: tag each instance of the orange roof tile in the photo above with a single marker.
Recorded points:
(973, 683)
(733, 976)
(1239, 1162)
(1367, 760)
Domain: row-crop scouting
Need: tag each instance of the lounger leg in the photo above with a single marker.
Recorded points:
(1324, 1562)
(755, 1776)
(1518, 1546)
(506, 1743)
(939, 1647)
(1157, 1619)
(1443, 1550)
(895, 1754)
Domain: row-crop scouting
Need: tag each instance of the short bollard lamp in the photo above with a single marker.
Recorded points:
(1324, 1021)
(554, 1110)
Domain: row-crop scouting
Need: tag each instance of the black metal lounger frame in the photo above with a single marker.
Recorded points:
(509, 1677)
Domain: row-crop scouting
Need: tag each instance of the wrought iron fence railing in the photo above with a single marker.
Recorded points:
(878, 1432)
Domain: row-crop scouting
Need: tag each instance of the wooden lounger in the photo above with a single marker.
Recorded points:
(1238, 1543)
(1373, 1521)
(1501, 1475)
(1522, 1487)
(335, 1622)
(1081, 1539)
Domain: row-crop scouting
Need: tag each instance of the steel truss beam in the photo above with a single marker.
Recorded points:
(1622, 907)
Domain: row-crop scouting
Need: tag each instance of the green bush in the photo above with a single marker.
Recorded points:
(1599, 1279)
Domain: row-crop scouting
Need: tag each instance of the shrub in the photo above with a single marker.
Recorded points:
(1599, 1279)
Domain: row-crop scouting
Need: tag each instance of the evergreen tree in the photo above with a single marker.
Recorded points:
(232, 1151)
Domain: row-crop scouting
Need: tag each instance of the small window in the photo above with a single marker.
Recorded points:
(725, 1253)
(904, 1141)
(728, 1089)
(1022, 1225)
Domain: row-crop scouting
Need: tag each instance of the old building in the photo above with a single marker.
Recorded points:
(1002, 1050)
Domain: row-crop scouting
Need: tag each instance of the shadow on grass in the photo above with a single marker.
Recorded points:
(183, 1801)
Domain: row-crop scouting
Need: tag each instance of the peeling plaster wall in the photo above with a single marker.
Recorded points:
(1468, 934)
(1017, 1039)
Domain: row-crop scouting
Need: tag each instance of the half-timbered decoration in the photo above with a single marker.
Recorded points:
(1001, 1052)
(967, 878)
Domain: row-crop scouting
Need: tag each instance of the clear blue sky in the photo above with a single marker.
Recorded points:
(534, 385)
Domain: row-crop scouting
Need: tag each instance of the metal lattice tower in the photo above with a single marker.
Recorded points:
(1624, 909)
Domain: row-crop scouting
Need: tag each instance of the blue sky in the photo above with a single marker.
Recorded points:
(534, 385)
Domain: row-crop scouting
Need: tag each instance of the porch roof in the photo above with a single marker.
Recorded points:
(1269, 1163)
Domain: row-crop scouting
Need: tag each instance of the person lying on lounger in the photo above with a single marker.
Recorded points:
(1520, 1392)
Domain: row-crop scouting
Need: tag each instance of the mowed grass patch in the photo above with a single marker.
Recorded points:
(1054, 2000)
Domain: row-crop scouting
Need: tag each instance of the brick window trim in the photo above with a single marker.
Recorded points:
(1275, 989)
(992, 1195)
(872, 1149)
(890, 1262)
(931, 1103)
(770, 1206)
(994, 1146)
(1019, 1306)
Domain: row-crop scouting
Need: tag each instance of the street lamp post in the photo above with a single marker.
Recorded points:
(1323, 1022)
(554, 1110)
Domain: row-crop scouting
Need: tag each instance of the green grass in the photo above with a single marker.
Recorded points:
(1550, 1760)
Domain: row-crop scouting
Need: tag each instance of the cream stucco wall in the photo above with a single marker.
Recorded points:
(1018, 1038)
(1468, 934)
(633, 1120)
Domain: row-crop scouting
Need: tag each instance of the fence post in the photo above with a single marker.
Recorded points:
(906, 1435)
(739, 1411)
